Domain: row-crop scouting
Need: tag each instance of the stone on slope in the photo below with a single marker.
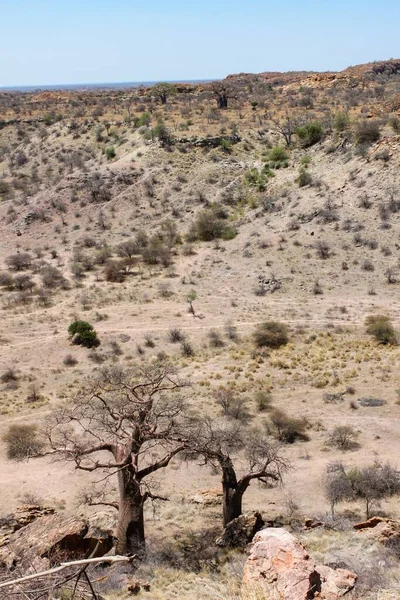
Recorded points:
(239, 532)
(279, 567)
(279, 563)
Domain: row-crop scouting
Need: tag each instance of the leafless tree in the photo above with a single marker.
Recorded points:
(286, 128)
(133, 416)
(233, 447)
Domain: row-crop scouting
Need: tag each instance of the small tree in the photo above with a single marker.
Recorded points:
(286, 128)
(231, 447)
(337, 485)
(371, 484)
(190, 298)
(83, 334)
(19, 262)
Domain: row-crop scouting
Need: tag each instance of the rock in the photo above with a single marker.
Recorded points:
(210, 497)
(279, 564)
(135, 586)
(239, 532)
(335, 583)
(279, 567)
(370, 523)
(25, 514)
(312, 523)
(385, 531)
(57, 536)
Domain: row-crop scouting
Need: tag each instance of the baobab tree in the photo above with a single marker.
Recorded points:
(232, 448)
(133, 417)
(162, 90)
(223, 91)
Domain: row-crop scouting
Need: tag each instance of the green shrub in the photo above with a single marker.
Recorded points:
(304, 178)
(381, 328)
(161, 132)
(278, 154)
(226, 145)
(271, 334)
(209, 225)
(305, 160)
(258, 179)
(341, 121)
(310, 134)
(143, 120)
(22, 441)
(110, 152)
(83, 334)
(278, 157)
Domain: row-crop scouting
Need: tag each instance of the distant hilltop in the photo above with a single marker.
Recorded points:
(364, 71)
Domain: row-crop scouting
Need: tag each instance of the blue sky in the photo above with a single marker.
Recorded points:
(76, 41)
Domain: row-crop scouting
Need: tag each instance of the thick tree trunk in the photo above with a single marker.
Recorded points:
(130, 529)
(232, 504)
(231, 494)
(222, 101)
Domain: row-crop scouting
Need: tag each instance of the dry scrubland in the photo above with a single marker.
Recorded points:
(116, 207)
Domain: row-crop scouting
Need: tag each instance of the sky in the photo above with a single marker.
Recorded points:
(88, 41)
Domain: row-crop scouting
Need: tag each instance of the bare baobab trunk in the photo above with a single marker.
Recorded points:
(222, 100)
(232, 495)
(130, 529)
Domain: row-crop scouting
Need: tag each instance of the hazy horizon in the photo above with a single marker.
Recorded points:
(97, 84)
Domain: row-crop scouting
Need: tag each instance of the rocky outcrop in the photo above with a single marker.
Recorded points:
(25, 514)
(280, 567)
(385, 531)
(55, 537)
(239, 532)
(209, 142)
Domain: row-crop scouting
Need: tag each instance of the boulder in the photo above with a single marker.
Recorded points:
(135, 586)
(25, 514)
(370, 523)
(335, 583)
(57, 537)
(209, 497)
(279, 567)
(239, 532)
(279, 564)
(312, 523)
(385, 531)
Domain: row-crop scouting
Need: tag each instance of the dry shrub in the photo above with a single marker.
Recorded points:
(271, 334)
(381, 328)
(22, 441)
(288, 429)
